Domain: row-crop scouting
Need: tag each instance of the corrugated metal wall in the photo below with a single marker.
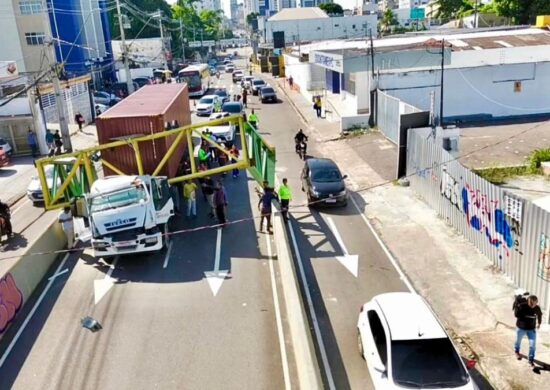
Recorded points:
(512, 232)
(388, 114)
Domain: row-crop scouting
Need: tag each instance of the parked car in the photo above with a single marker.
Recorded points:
(101, 108)
(207, 105)
(323, 183)
(120, 90)
(406, 347)
(257, 84)
(4, 159)
(225, 133)
(142, 81)
(229, 108)
(247, 82)
(222, 94)
(267, 94)
(6, 147)
(106, 98)
(229, 68)
(34, 189)
(237, 76)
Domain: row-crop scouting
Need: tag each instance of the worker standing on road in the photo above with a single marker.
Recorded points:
(220, 201)
(190, 196)
(253, 119)
(245, 97)
(66, 220)
(31, 140)
(235, 152)
(49, 139)
(285, 196)
(265, 207)
(208, 190)
(204, 156)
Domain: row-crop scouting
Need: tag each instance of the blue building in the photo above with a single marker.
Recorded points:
(81, 29)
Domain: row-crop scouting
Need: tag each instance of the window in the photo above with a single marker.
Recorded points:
(34, 38)
(30, 7)
(379, 335)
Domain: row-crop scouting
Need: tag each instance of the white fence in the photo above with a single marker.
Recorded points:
(388, 114)
(77, 99)
(512, 232)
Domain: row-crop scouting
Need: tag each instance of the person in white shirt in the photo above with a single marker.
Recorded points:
(66, 220)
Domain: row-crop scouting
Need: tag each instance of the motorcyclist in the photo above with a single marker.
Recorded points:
(5, 213)
(301, 139)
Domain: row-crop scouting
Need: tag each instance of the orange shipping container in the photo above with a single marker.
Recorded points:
(147, 111)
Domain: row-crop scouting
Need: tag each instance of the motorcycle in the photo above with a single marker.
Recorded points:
(301, 148)
(5, 216)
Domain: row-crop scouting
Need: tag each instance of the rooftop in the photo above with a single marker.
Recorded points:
(149, 100)
(298, 14)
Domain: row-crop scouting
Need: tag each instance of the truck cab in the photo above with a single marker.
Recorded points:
(129, 214)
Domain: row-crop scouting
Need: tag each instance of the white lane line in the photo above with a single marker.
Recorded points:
(384, 248)
(29, 316)
(318, 335)
(20, 207)
(167, 257)
(218, 250)
(284, 356)
(59, 274)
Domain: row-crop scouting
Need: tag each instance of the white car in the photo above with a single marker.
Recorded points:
(207, 105)
(224, 133)
(6, 147)
(257, 84)
(34, 189)
(406, 347)
(247, 81)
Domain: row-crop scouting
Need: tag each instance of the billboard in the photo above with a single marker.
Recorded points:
(8, 69)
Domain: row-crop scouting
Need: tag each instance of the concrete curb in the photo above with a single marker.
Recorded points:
(28, 271)
(309, 374)
(289, 99)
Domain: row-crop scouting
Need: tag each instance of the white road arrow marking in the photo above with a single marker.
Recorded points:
(102, 286)
(58, 274)
(351, 262)
(215, 278)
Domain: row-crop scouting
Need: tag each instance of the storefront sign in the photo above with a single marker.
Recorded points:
(329, 61)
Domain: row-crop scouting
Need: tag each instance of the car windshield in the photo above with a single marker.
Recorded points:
(206, 100)
(232, 108)
(122, 198)
(258, 82)
(193, 81)
(221, 93)
(431, 363)
(267, 90)
(326, 175)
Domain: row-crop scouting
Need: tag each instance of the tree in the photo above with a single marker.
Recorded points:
(251, 17)
(452, 9)
(388, 21)
(522, 11)
(137, 19)
(332, 9)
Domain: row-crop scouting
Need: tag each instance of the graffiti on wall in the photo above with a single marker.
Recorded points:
(487, 217)
(11, 301)
(543, 267)
(450, 188)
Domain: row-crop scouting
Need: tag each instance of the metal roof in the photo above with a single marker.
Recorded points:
(298, 14)
(149, 100)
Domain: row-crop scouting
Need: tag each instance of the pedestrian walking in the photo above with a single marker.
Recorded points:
(208, 189)
(265, 207)
(317, 106)
(222, 158)
(253, 119)
(49, 139)
(285, 196)
(290, 82)
(235, 152)
(58, 142)
(79, 119)
(529, 318)
(245, 97)
(220, 202)
(65, 218)
(190, 196)
(31, 140)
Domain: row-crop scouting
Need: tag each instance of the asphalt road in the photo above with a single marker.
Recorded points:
(165, 323)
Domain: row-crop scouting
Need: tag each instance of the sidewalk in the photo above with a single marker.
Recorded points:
(470, 297)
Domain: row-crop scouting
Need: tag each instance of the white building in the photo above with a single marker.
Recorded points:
(208, 4)
(488, 75)
(313, 24)
(285, 4)
(311, 3)
(250, 6)
(412, 3)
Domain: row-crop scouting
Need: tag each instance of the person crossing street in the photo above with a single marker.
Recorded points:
(285, 196)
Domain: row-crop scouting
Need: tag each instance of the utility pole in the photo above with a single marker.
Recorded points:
(125, 59)
(55, 71)
(182, 42)
(442, 79)
(475, 13)
(372, 95)
(162, 40)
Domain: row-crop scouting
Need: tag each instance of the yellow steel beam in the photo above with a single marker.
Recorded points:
(67, 181)
(169, 153)
(43, 182)
(209, 172)
(137, 152)
(191, 151)
(215, 144)
(112, 167)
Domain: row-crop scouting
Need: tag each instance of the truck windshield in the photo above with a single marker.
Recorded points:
(122, 198)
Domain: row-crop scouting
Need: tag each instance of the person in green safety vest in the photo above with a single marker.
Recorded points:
(253, 119)
(204, 156)
(285, 196)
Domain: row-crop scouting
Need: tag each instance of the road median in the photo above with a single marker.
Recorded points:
(309, 376)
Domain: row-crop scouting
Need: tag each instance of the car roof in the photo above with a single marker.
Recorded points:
(409, 317)
(220, 90)
(258, 80)
(209, 97)
(232, 104)
(314, 163)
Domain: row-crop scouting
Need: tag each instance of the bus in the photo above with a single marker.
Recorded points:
(197, 78)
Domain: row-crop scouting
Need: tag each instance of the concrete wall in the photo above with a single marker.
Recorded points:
(322, 28)
(9, 39)
(489, 91)
(307, 76)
